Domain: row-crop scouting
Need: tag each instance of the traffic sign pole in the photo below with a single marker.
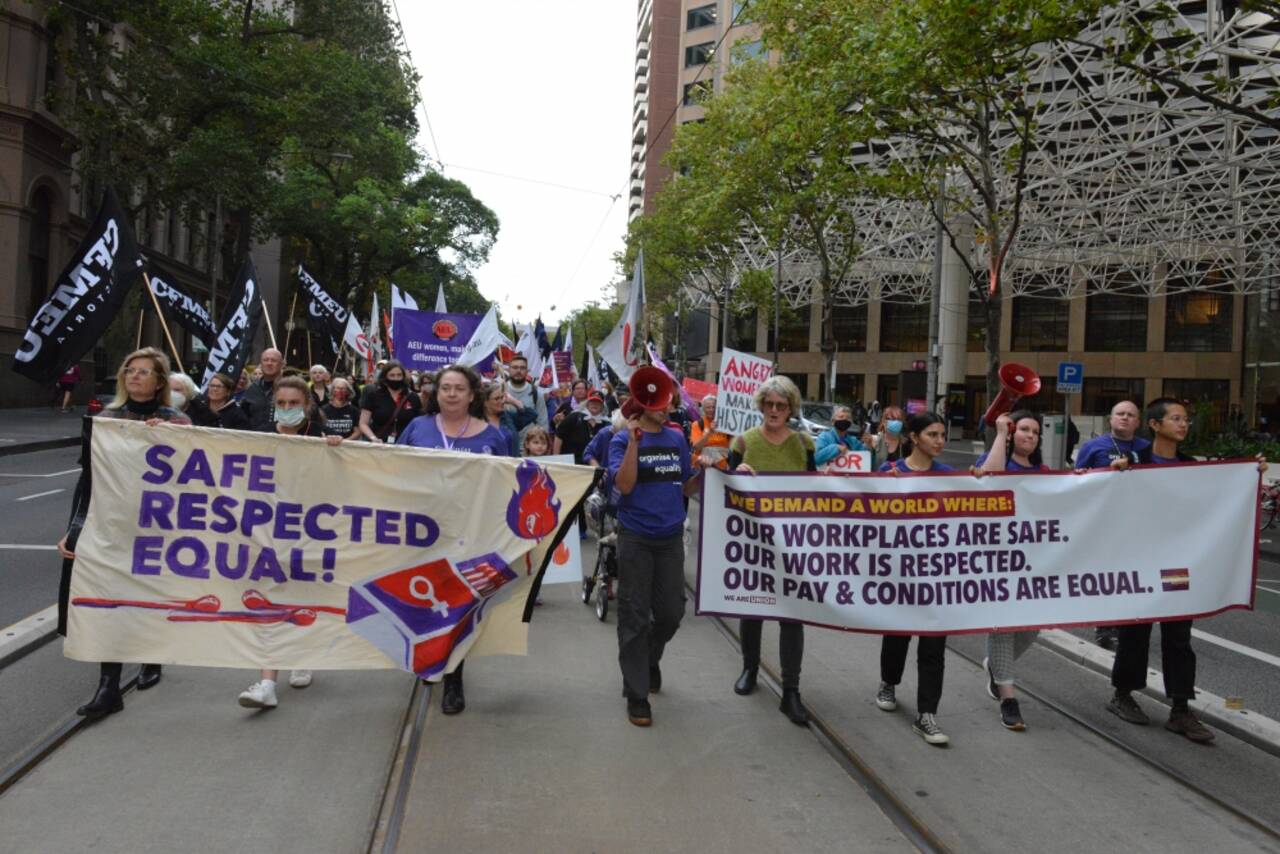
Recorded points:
(1070, 381)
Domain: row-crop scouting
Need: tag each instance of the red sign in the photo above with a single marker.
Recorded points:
(698, 389)
(444, 329)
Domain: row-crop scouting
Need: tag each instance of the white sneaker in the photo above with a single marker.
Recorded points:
(927, 727)
(299, 678)
(261, 695)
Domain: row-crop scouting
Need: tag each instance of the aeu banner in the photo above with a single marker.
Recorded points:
(233, 549)
(947, 554)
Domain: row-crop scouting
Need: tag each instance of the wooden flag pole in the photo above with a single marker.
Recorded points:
(266, 315)
(338, 358)
(177, 357)
(288, 326)
(137, 341)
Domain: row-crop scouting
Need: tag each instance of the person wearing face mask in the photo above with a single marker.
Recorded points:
(387, 408)
(216, 408)
(926, 438)
(259, 394)
(839, 440)
(182, 392)
(295, 415)
(886, 443)
(341, 415)
(1117, 449)
(142, 392)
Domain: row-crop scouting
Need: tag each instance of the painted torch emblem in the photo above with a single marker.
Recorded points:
(533, 511)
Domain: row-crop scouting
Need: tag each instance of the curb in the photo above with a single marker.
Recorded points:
(27, 634)
(1260, 731)
(41, 445)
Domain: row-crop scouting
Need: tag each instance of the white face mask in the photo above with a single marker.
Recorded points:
(291, 417)
(177, 400)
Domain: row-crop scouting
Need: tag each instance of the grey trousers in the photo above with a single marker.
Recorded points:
(650, 604)
(1003, 649)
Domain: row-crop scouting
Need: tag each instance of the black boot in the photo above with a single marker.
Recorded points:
(107, 699)
(793, 708)
(746, 682)
(453, 701)
(148, 676)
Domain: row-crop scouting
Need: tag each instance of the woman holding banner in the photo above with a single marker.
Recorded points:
(295, 415)
(774, 447)
(1016, 448)
(925, 440)
(455, 422)
(142, 392)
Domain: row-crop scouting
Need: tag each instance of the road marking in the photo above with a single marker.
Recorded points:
(40, 495)
(1265, 657)
(23, 547)
(1266, 589)
(54, 474)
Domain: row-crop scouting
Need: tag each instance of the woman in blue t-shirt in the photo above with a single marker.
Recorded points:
(455, 422)
(1016, 448)
(925, 438)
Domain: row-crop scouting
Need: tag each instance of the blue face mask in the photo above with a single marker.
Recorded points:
(291, 417)
(894, 427)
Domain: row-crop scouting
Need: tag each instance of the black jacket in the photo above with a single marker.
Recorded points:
(259, 404)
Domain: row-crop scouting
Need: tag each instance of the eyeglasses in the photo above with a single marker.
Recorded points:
(138, 372)
(775, 404)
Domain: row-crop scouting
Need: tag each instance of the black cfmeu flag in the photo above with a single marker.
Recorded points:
(229, 351)
(184, 310)
(87, 296)
(332, 317)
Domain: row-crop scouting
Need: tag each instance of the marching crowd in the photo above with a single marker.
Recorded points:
(654, 454)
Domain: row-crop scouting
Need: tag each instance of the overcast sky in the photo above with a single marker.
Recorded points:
(543, 91)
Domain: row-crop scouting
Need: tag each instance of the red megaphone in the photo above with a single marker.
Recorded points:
(1018, 381)
(650, 389)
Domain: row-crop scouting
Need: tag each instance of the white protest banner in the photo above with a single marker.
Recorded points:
(850, 462)
(949, 554)
(740, 375)
(566, 561)
(230, 549)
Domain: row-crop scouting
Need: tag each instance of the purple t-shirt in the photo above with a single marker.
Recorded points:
(901, 465)
(1012, 465)
(655, 506)
(423, 432)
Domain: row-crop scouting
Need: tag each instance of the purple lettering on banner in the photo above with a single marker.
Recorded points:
(197, 468)
(386, 527)
(312, 522)
(358, 515)
(198, 567)
(156, 507)
(267, 566)
(146, 554)
(288, 518)
(297, 568)
(431, 531)
(232, 467)
(329, 557)
(256, 512)
(191, 511)
(225, 569)
(222, 506)
(260, 474)
(161, 471)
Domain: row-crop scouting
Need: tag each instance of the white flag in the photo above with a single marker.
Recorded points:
(374, 336)
(487, 338)
(568, 340)
(400, 299)
(623, 347)
(440, 306)
(528, 347)
(355, 338)
(593, 370)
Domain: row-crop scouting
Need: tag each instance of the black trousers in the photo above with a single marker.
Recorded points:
(1177, 658)
(931, 659)
(650, 604)
(790, 648)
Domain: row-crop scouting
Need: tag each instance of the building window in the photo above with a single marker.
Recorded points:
(793, 336)
(746, 51)
(1040, 324)
(698, 54)
(1202, 397)
(848, 388)
(702, 16)
(1197, 322)
(1115, 322)
(975, 339)
(904, 328)
(1102, 393)
(697, 92)
(742, 331)
(887, 390)
(738, 7)
(38, 249)
(849, 325)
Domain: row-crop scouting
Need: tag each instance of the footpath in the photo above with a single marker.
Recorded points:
(38, 429)
(544, 760)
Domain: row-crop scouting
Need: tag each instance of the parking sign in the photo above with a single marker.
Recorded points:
(1070, 377)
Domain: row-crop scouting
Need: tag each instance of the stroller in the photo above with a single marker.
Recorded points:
(602, 517)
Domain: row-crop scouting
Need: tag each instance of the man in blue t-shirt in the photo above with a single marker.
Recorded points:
(1117, 449)
(651, 468)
